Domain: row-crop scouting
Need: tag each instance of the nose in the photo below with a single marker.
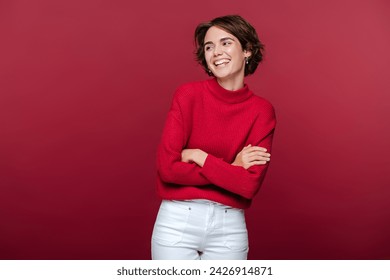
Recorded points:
(217, 50)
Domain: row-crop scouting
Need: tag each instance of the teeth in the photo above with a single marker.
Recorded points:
(219, 62)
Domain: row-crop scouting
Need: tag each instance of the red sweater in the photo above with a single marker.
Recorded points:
(205, 116)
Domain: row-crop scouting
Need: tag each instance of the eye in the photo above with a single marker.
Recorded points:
(207, 48)
(226, 43)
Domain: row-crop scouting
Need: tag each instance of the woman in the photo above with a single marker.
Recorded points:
(214, 149)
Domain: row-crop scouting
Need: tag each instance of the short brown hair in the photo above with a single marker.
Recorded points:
(241, 29)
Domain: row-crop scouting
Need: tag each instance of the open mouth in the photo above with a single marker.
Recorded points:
(221, 62)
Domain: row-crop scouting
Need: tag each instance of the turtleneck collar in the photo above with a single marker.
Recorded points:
(228, 96)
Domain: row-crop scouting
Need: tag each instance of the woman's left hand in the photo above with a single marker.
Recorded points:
(194, 155)
(251, 155)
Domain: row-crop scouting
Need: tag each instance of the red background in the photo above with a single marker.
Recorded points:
(85, 87)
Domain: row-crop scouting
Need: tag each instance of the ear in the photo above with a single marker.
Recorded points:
(248, 53)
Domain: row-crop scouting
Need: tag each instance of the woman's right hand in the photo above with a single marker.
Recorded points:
(251, 155)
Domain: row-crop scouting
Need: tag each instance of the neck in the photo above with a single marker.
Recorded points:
(226, 95)
(230, 84)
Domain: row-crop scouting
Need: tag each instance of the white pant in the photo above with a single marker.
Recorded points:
(199, 229)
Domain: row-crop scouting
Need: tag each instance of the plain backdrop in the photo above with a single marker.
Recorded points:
(85, 87)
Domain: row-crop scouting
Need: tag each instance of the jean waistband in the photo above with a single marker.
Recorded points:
(206, 202)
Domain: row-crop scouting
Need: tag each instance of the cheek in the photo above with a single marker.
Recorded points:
(207, 58)
(236, 53)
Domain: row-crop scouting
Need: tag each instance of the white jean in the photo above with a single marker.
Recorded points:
(199, 229)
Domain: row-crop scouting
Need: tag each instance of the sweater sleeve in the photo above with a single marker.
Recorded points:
(236, 179)
(169, 165)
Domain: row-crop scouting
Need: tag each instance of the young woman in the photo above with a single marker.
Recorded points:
(214, 150)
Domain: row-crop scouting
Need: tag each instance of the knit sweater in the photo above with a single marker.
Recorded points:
(204, 115)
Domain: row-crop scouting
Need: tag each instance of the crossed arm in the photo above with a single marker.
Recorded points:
(247, 157)
(197, 168)
(243, 177)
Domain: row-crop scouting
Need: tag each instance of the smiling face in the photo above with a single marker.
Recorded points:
(225, 57)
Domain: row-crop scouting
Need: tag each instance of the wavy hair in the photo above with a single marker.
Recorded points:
(242, 30)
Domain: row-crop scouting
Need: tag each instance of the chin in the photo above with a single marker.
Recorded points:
(222, 76)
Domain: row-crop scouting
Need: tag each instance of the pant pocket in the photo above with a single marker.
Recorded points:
(171, 222)
(235, 233)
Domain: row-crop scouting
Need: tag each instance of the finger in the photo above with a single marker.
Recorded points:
(256, 154)
(257, 157)
(256, 148)
(246, 147)
(261, 154)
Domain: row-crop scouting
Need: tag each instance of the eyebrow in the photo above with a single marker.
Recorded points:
(221, 40)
